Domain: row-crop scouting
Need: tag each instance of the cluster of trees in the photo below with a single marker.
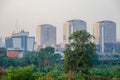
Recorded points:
(79, 57)
(44, 57)
(101, 72)
(106, 71)
(33, 64)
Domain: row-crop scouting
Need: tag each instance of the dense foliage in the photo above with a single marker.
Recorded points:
(101, 72)
(80, 52)
(40, 59)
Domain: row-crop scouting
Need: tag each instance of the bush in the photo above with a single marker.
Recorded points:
(20, 73)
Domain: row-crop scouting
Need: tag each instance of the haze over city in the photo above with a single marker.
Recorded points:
(30, 13)
(59, 39)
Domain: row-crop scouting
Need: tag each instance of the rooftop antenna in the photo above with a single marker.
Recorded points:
(16, 25)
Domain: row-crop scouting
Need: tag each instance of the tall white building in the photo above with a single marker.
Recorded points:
(105, 35)
(45, 35)
(71, 26)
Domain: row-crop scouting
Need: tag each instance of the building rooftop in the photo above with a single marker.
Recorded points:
(47, 25)
(20, 33)
(106, 21)
(73, 20)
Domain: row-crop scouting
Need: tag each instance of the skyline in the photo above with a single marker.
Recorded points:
(29, 14)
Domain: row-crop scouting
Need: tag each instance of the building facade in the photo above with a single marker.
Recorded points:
(105, 35)
(20, 41)
(71, 26)
(45, 35)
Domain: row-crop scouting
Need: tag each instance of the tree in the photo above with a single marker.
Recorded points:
(79, 53)
(3, 56)
(49, 57)
(117, 49)
(3, 52)
(20, 73)
(46, 57)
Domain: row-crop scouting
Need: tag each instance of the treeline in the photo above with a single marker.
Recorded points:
(40, 59)
(103, 72)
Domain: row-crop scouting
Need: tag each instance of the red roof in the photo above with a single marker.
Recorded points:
(13, 54)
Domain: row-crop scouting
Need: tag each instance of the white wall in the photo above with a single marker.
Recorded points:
(30, 44)
(17, 43)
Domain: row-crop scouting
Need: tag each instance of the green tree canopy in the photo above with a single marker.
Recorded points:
(2, 52)
(79, 53)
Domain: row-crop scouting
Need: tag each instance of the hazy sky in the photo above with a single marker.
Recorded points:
(30, 13)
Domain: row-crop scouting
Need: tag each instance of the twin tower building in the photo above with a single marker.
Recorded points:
(103, 31)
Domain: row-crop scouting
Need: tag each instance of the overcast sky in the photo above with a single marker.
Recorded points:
(30, 13)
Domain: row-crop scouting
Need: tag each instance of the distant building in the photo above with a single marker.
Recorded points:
(46, 35)
(1, 42)
(60, 47)
(20, 41)
(71, 26)
(13, 54)
(57, 48)
(117, 47)
(105, 35)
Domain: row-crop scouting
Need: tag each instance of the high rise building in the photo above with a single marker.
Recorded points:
(71, 26)
(105, 35)
(20, 41)
(45, 35)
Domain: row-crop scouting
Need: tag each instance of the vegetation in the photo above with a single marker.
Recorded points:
(101, 72)
(40, 59)
(80, 63)
(106, 71)
(79, 54)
